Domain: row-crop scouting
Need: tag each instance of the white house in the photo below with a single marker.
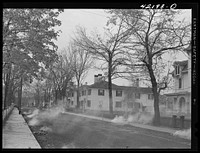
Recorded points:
(180, 99)
(125, 98)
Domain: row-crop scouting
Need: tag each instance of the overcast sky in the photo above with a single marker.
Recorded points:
(92, 19)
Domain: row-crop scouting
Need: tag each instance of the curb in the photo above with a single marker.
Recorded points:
(159, 129)
(26, 124)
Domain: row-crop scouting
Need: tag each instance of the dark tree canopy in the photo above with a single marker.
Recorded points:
(28, 45)
(28, 36)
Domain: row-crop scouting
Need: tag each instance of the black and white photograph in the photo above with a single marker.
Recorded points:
(99, 77)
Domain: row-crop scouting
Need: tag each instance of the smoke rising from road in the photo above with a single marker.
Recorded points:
(34, 113)
(70, 145)
(142, 118)
(119, 120)
(27, 113)
(45, 129)
(34, 122)
(183, 133)
(37, 116)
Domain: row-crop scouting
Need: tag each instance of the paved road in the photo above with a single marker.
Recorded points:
(73, 131)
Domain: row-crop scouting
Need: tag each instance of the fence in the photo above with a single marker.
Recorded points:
(177, 122)
(6, 112)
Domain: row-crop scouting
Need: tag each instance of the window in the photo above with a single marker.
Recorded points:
(83, 93)
(72, 102)
(71, 94)
(137, 95)
(180, 83)
(89, 91)
(175, 101)
(177, 70)
(182, 104)
(170, 105)
(137, 106)
(150, 96)
(81, 102)
(88, 103)
(101, 92)
(130, 104)
(118, 93)
(118, 104)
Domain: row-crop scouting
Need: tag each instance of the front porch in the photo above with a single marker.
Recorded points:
(179, 103)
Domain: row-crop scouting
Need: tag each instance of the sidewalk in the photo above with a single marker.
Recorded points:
(16, 133)
(149, 127)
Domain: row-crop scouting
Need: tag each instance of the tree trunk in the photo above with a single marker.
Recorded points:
(5, 94)
(49, 96)
(38, 99)
(20, 96)
(10, 96)
(59, 94)
(45, 96)
(78, 103)
(56, 96)
(110, 88)
(7, 84)
(156, 119)
(11, 93)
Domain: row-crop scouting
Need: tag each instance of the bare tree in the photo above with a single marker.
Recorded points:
(154, 32)
(82, 62)
(107, 48)
(61, 74)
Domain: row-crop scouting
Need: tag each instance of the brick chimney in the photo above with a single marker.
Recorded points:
(100, 77)
(137, 82)
(95, 78)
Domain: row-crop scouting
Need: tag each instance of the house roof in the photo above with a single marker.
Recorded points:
(188, 49)
(181, 63)
(137, 89)
(104, 85)
(185, 68)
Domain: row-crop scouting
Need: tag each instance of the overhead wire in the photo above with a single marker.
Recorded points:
(93, 13)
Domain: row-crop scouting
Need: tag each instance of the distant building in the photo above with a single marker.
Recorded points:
(180, 100)
(125, 98)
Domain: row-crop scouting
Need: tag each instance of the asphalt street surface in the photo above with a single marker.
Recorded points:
(70, 131)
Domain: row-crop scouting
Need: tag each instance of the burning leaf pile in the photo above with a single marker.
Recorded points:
(43, 130)
(141, 118)
(186, 134)
(37, 116)
(70, 145)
